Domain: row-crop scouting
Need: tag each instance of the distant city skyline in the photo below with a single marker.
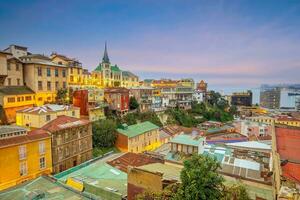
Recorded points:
(241, 44)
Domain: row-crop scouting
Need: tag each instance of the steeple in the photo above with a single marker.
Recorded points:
(105, 58)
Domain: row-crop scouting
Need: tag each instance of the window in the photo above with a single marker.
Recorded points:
(42, 163)
(42, 147)
(48, 118)
(40, 85)
(18, 81)
(73, 113)
(71, 78)
(39, 71)
(56, 85)
(64, 85)
(56, 72)
(71, 70)
(78, 70)
(28, 98)
(23, 168)
(8, 66)
(22, 152)
(48, 85)
(64, 73)
(11, 99)
(48, 72)
(9, 81)
(17, 67)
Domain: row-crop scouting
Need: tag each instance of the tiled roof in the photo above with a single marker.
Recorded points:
(288, 147)
(128, 73)
(15, 90)
(115, 90)
(23, 139)
(64, 122)
(287, 118)
(250, 145)
(137, 129)
(133, 159)
(115, 68)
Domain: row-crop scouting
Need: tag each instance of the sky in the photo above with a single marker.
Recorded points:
(234, 44)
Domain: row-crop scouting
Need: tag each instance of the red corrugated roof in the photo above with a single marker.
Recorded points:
(133, 159)
(288, 147)
(30, 137)
(64, 122)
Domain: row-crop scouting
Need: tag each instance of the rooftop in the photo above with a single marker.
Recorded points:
(137, 129)
(98, 178)
(169, 171)
(187, 140)
(43, 186)
(250, 145)
(47, 108)
(15, 90)
(11, 129)
(132, 159)
(64, 122)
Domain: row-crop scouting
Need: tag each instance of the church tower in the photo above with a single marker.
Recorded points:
(106, 67)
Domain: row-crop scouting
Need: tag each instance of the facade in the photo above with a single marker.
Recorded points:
(117, 99)
(37, 117)
(138, 138)
(107, 75)
(143, 95)
(202, 86)
(75, 71)
(14, 72)
(71, 142)
(23, 155)
(241, 98)
(286, 162)
(13, 98)
(198, 96)
(270, 98)
(44, 77)
(3, 66)
(287, 120)
(187, 144)
(255, 130)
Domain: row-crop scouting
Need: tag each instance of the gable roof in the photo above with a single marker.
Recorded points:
(137, 129)
(64, 122)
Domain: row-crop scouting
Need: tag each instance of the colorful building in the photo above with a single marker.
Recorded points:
(71, 141)
(286, 162)
(23, 155)
(117, 99)
(36, 117)
(287, 120)
(187, 144)
(138, 138)
(13, 98)
(107, 75)
(143, 95)
(241, 98)
(75, 71)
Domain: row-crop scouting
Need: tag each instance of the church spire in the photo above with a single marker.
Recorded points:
(105, 58)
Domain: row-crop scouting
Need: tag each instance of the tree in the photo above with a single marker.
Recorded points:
(104, 134)
(235, 192)
(233, 110)
(129, 119)
(213, 97)
(200, 179)
(61, 96)
(133, 104)
(150, 116)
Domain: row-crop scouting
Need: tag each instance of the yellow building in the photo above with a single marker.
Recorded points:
(107, 75)
(14, 98)
(138, 138)
(262, 119)
(44, 77)
(23, 155)
(36, 117)
(75, 71)
(287, 120)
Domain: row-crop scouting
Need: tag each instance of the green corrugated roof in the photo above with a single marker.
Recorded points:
(98, 68)
(115, 68)
(187, 140)
(137, 129)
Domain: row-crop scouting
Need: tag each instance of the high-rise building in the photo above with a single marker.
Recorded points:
(270, 98)
(241, 98)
